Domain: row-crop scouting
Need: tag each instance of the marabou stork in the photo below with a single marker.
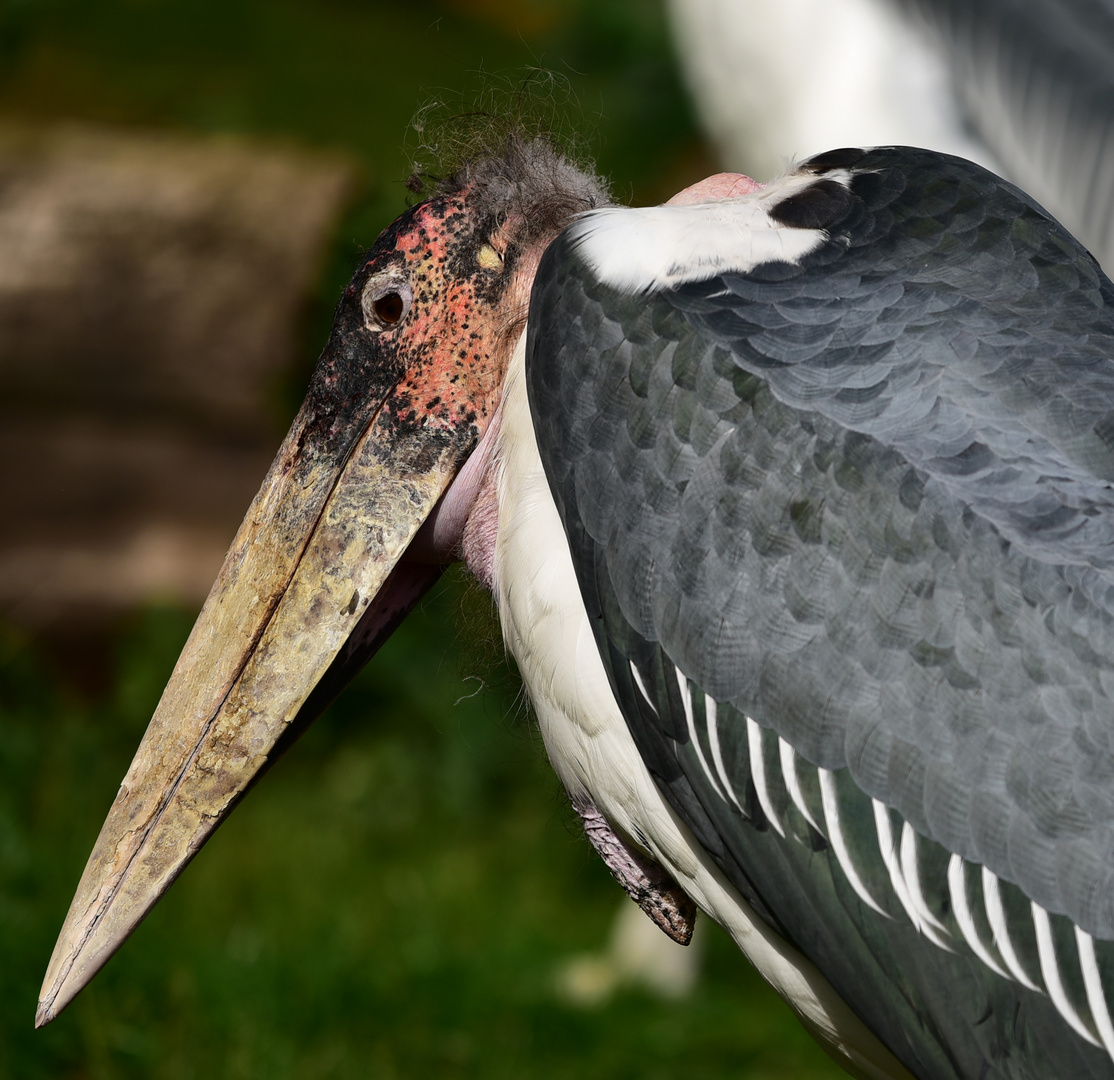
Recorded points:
(796, 503)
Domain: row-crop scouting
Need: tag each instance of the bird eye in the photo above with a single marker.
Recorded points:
(388, 308)
(386, 301)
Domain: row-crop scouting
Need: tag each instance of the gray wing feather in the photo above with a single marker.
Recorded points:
(866, 501)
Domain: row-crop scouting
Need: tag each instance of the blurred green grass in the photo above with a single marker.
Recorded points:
(395, 898)
(393, 901)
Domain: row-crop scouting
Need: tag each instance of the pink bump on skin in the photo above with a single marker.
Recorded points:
(724, 185)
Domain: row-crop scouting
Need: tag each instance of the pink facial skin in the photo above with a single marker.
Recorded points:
(465, 521)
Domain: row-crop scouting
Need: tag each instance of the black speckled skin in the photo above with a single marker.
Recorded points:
(867, 501)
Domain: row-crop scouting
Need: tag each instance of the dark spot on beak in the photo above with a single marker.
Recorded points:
(351, 609)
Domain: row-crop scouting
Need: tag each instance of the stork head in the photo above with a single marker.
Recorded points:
(394, 434)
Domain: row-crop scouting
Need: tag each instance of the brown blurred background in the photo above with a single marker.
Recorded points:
(152, 288)
(172, 180)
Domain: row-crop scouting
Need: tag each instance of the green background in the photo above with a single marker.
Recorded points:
(396, 898)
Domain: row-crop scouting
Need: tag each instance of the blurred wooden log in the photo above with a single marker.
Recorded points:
(150, 295)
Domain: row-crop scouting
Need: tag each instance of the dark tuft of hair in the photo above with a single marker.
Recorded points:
(534, 181)
(515, 150)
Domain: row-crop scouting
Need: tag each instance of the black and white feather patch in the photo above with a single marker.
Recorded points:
(820, 205)
(661, 247)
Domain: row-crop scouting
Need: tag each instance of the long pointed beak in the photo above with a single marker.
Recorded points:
(406, 390)
(315, 565)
